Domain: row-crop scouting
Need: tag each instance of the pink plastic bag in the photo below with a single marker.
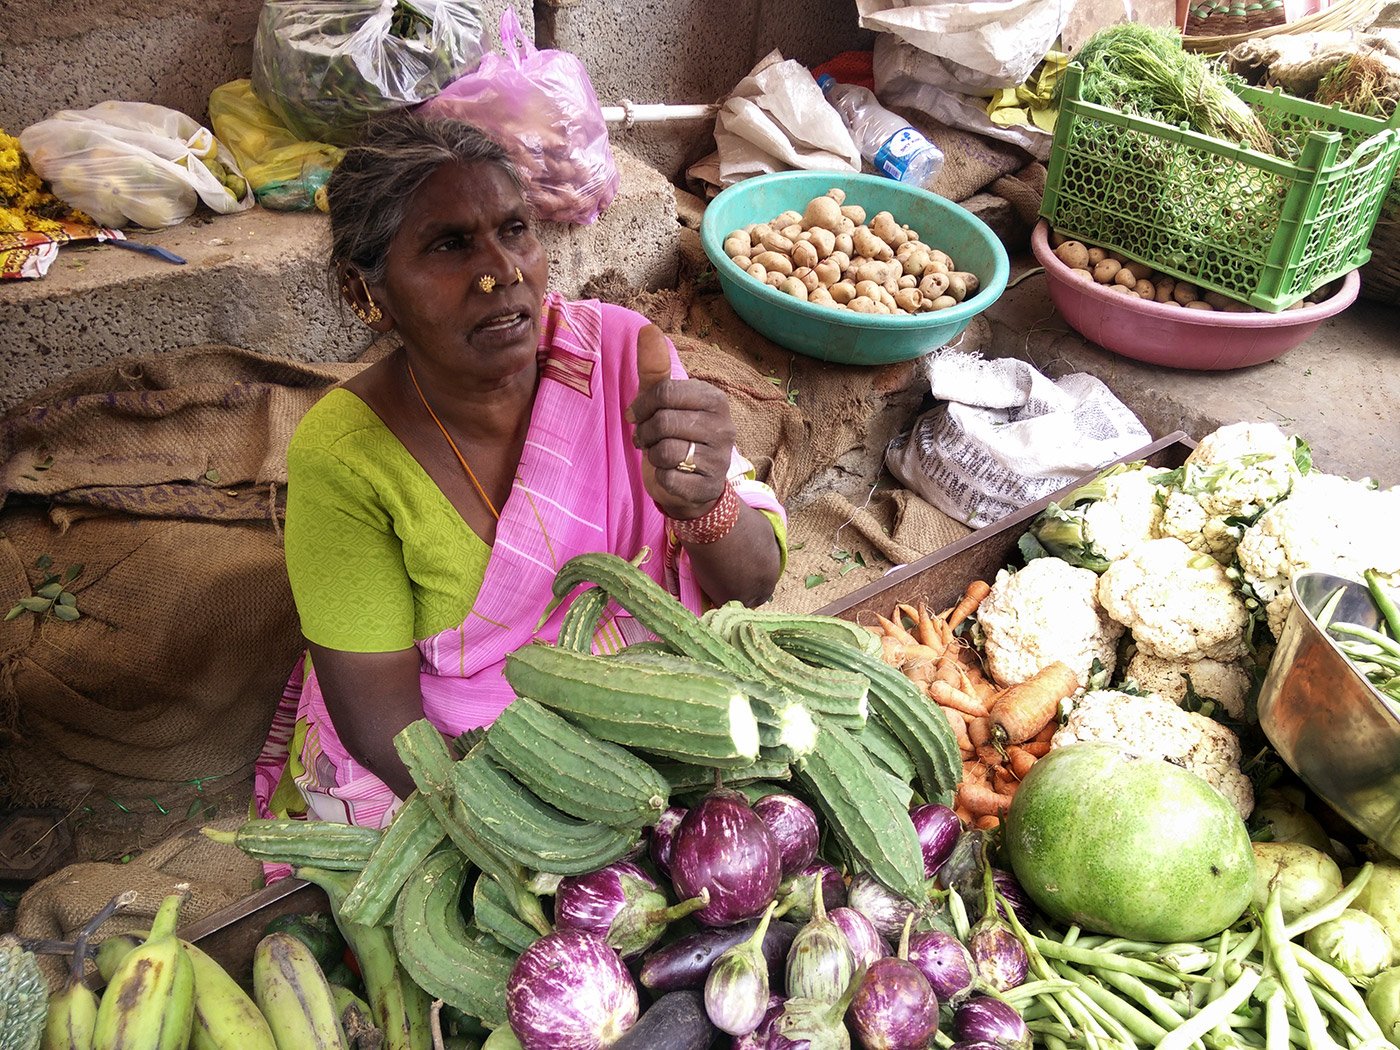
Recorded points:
(541, 107)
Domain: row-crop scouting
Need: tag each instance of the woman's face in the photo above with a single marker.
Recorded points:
(466, 222)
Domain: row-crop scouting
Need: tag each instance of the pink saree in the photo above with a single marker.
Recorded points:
(578, 489)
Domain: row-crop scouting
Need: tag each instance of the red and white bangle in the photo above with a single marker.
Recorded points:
(715, 524)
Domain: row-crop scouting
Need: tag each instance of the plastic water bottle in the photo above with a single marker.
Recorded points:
(886, 140)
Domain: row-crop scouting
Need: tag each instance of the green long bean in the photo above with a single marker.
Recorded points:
(1332, 907)
(1133, 1023)
(1290, 974)
(1380, 594)
(1217, 1010)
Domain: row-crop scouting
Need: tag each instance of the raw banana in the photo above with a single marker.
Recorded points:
(292, 993)
(398, 1007)
(149, 1002)
(225, 1016)
(71, 1023)
(113, 950)
(355, 1019)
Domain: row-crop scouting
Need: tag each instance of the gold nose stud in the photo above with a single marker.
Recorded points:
(486, 283)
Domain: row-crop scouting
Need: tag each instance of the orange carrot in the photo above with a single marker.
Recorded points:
(946, 695)
(1022, 710)
(989, 756)
(896, 631)
(959, 727)
(988, 821)
(963, 815)
(976, 592)
(1020, 761)
(1005, 781)
(1047, 731)
(1037, 748)
(979, 731)
(980, 799)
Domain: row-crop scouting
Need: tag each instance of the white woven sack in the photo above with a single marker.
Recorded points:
(1003, 435)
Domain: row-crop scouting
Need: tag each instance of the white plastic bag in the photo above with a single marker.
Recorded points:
(135, 162)
(1003, 435)
(777, 119)
(1003, 39)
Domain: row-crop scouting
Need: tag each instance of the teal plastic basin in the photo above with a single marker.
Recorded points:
(840, 335)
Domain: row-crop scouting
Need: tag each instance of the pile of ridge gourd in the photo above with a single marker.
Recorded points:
(828, 255)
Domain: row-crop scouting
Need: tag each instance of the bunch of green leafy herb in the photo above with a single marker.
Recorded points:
(1144, 71)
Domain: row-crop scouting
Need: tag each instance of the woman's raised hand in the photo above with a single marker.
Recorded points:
(684, 431)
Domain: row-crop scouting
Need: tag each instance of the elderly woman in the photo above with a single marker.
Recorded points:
(432, 497)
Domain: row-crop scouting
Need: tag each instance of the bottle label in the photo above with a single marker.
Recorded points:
(899, 149)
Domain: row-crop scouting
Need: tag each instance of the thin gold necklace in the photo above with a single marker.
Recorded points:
(456, 451)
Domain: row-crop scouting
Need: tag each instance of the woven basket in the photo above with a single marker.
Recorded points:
(1380, 278)
(1345, 14)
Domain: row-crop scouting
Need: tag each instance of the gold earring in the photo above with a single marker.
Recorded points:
(486, 283)
(370, 314)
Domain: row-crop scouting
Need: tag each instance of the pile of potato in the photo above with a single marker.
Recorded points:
(1117, 274)
(830, 256)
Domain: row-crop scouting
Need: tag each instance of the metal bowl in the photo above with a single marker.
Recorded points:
(1332, 727)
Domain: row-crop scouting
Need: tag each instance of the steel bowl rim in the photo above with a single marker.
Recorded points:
(987, 293)
(1377, 697)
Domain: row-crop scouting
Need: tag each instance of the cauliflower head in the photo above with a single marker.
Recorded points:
(1232, 476)
(1150, 727)
(1101, 521)
(1328, 523)
(1227, 683)
(1178, 604)
(1044, 613)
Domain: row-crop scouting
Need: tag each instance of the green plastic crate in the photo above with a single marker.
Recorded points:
(1263, 229)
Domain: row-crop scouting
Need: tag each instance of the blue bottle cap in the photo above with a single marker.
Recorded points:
(825, 82)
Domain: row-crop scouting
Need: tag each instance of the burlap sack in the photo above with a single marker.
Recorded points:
(217, 876)
(151, 489)
(151, 706)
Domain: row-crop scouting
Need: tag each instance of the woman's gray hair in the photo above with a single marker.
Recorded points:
(371, 186)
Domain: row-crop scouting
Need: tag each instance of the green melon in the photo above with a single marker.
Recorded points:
(1127, 846)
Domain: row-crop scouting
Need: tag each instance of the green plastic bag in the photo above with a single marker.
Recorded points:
(284, 172)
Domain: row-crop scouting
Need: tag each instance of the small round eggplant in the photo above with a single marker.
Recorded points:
(944, 961)
(938, 828)
(819, 963)
(794, 826)
(864, 940)
(982, 1018)
(620, 903)
(722, 848)
(662, 838)
(886, 909)
(894, 1008)
(796, 893)
(570, 991)
(736, 988)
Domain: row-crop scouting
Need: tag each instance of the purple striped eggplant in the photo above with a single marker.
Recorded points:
(795, 894)
(794, 826)
(812, 1024)
(819, 964)
(620, 903)
(997, 953)
(758, 1038)
(886, 909)
(864, 940)
(938, 828)
(736, 988)
(1009, 889)
(570, 991)
(722, 848)
(661, 839)
(982, 1018)
(894, 1007)
(944, 961)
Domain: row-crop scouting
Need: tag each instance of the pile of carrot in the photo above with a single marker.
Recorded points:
(1001, 731)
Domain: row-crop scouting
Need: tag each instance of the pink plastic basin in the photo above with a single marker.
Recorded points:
(1173, 336)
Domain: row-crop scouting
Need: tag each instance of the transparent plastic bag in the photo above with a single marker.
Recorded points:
(284, 171)
(541, 107)
(135, 162)
(324, 67)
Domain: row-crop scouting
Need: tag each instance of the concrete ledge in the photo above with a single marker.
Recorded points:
(258, 280)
